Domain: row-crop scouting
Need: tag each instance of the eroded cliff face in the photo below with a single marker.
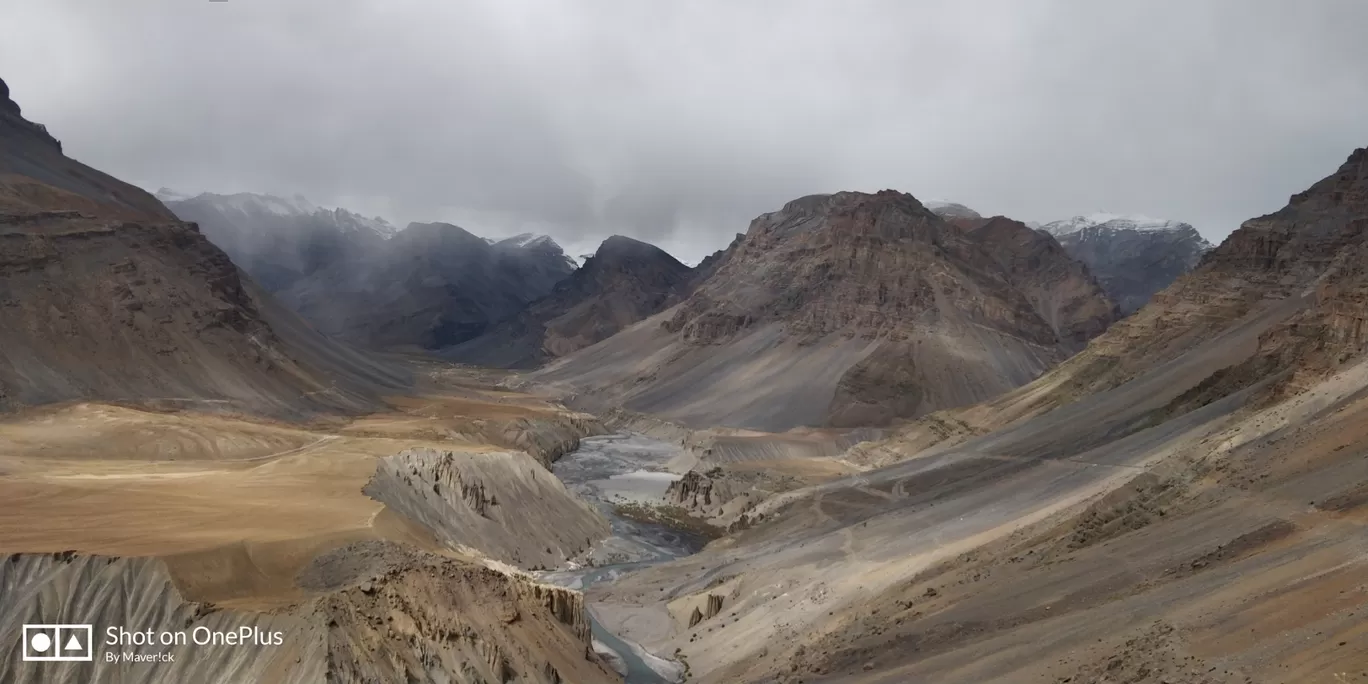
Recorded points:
(1061, 289)
(423, 618)
(374, 612)
(503, 505)
(855, 263)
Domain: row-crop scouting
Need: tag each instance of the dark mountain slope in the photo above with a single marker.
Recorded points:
(626, 281)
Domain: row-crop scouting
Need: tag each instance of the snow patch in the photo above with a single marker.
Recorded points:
(252, 204)
(527, 240)
(1110, 221)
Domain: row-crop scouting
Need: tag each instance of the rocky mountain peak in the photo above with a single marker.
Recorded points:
(1133, 256)
(850, 308)
(15, 123)
(852, 261)
(622, 283)
(6, 104)
(621, 246)
(446, 234)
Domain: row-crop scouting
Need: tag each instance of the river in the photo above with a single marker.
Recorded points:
(608, 471)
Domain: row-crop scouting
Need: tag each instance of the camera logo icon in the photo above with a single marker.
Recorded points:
(59, 643)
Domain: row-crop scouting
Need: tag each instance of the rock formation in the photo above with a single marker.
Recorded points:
(505, 505)
(848, 309)
(372, 612)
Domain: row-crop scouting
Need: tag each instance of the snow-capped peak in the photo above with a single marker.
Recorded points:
(256, 205)
(350, 222)
(1135, 222)
(525, 240)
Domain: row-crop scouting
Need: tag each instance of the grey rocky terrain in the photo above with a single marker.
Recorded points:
(846, 310)
(1132, 257)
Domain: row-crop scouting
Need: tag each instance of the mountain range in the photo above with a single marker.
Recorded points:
(431, 285)
(848, 309)
(930, 445)
(623, 282)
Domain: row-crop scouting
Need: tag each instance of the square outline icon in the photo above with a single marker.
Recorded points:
(59, 634)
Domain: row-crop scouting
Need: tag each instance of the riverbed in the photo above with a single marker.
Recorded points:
(609, 471)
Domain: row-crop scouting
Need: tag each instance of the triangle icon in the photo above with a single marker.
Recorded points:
(72, 644)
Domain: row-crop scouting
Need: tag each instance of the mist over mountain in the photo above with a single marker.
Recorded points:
(360, 279)
(279, 240)
(431, 286)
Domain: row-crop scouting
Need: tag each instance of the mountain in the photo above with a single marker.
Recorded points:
(279, 240)
(624, 282)
(432, 285)
(542, 244)
(1181, 501)
(1060, 288)
(105, 294)
(1133, 256)
(846, 309)
(363, 280)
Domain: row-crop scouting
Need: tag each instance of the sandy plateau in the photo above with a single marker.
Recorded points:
(127, 516)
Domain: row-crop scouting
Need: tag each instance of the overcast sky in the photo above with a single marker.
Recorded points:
(678, 122)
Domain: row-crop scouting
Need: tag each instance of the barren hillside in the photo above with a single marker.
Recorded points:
(847, 309)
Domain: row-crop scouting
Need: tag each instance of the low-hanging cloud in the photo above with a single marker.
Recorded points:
(679, 122)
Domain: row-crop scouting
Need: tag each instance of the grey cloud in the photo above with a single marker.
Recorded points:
(679, 122)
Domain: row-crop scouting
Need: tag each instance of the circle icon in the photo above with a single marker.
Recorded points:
(40, 642)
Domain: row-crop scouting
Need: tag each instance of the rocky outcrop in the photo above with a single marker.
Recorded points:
(707, 611)
(1132, 257)
(709, 265)
(846, 309)
(452, 621)
(505, 505)
(372, 612)
(624, 282)
(14, 120)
